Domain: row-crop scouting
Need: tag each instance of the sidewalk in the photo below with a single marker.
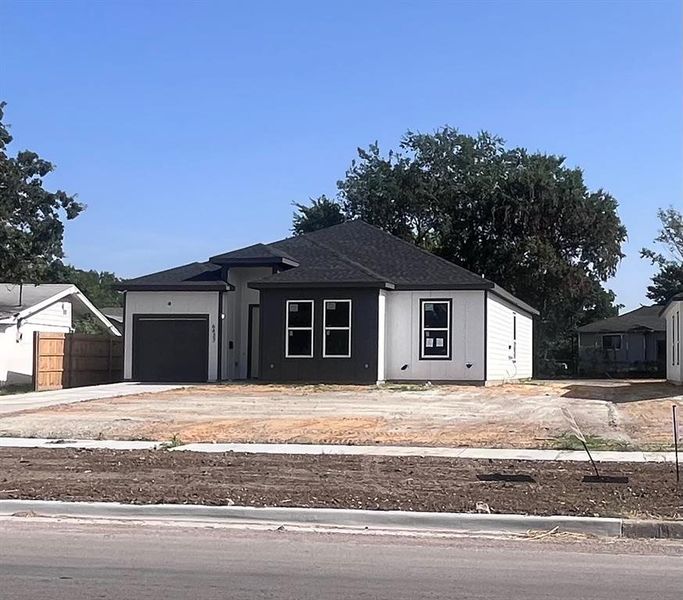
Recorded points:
(342, 450)
(16, 402)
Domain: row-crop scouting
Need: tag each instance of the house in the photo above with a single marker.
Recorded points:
(671, 315)
(630, 344)
(27, 308)
(349, 303)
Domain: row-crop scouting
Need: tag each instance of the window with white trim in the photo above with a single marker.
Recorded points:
(435, 329)
(336, 328)
(611, 342)
(299, 329)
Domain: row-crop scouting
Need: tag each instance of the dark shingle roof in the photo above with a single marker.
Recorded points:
(395, 260)
(644, 318)
(353, 253)
(251, 253)
(194, 275)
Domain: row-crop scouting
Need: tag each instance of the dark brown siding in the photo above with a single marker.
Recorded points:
(360, 368)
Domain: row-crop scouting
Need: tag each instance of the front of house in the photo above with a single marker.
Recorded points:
(345, 304)
(631, 344)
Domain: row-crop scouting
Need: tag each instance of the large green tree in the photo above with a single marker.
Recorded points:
(524, 220)
(31, 227)
(669, 279)
(320, 213)
(98, 286)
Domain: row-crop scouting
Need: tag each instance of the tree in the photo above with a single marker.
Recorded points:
(98, 286)
(524, 220)
(321, 213)
(31, 228)
(669, 280)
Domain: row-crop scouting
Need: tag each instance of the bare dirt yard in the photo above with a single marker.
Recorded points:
(376, 483)
(615, 415)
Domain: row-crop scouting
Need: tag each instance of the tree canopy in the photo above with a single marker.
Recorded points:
(523, 219)
(96, 285)
(31, 227)
(669, 279)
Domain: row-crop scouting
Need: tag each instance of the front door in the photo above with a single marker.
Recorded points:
(254, 338)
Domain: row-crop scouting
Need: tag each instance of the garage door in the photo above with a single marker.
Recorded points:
(170, 348)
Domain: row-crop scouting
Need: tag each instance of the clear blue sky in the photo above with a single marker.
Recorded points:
(189, 128)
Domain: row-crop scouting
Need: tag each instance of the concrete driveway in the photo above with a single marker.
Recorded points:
(615, 415)
(33, 400)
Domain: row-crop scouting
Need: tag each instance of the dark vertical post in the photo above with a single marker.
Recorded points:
(595, 467)
(675, 424)
(36, 361)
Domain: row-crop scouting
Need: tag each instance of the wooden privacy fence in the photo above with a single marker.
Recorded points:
(66, 360)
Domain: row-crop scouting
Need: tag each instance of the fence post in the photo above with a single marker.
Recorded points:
(66, 365)
(110, 360)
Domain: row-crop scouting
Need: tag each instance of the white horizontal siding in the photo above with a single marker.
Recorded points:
(16, 342)
(171, 303)
(56, 315)
(402, 337)
(500, 363)
(674, 364)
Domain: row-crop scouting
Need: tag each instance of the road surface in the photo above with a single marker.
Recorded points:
(75, 561)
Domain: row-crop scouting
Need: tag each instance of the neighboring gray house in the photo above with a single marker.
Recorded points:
(631, 344)
(349, 303)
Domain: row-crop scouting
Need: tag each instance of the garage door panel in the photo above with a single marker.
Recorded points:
(170, 347)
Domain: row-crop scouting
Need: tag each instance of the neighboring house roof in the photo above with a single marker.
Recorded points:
(350, 254)
(113, 313)
(645, 318)
(676, 298)
(20, 301)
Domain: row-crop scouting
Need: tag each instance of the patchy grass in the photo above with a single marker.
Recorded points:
(174, 442)
(568, 441)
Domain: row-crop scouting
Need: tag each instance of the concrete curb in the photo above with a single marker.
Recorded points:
(318, 517)
(348, 450)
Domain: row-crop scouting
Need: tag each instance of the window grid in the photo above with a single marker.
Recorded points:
(299, 328)
(327, 328)
(423, 330)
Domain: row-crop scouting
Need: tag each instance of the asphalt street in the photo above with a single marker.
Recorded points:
(75, 561)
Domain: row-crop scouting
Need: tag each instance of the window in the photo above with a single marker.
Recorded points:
(299, 335)
(336, 328)
(611, 342)
(435, 329)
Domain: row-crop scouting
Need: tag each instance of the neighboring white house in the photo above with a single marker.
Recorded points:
(673, 317)
(27, 308)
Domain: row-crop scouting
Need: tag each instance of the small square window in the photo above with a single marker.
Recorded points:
(611, 342)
